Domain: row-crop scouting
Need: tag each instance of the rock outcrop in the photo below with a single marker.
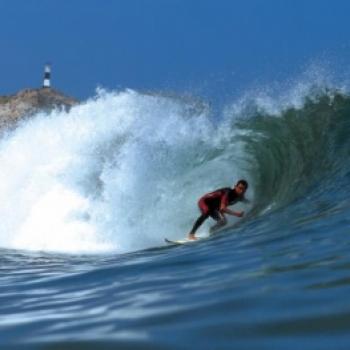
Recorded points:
(30, 101)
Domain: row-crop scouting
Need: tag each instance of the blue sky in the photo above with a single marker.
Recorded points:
(183, 45)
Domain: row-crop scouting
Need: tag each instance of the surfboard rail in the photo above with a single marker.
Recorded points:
(182, 241)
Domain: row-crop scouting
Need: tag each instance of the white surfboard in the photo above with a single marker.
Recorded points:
(182, 241)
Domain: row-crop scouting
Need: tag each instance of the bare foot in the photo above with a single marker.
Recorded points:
(192, 237)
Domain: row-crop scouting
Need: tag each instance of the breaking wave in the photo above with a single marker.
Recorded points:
(124, 169)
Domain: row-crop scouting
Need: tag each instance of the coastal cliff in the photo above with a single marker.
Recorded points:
(25, 103)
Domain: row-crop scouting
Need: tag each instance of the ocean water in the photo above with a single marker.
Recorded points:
(88, 196)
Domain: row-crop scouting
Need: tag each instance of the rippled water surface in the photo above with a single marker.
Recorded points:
(253, 287)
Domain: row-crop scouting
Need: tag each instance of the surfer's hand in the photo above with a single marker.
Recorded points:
(240, 214)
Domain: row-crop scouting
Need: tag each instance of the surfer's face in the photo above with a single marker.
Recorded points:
(240, 189)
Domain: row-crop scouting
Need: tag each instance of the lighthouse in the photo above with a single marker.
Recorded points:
(47, 76)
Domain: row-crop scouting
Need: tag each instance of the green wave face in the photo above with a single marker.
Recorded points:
(298, 149)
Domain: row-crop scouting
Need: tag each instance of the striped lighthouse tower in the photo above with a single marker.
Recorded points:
(47, 76)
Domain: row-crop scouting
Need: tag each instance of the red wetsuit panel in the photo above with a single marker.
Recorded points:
(213, 201)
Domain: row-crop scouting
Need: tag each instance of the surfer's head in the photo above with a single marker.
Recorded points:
(241, 186)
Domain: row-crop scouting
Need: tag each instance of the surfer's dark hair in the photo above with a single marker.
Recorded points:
(242, 182)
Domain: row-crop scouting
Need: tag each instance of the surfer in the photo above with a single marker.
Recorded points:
(214, 204)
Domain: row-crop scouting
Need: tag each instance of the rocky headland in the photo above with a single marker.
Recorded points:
(25, 103)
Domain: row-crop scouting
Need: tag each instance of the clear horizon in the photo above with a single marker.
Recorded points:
(204, 47)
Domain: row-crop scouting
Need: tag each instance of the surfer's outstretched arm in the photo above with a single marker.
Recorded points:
(233, 213)
(223, 207)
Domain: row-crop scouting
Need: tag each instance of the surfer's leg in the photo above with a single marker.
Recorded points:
(196, 225)
(220, 221)
(203, 207)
